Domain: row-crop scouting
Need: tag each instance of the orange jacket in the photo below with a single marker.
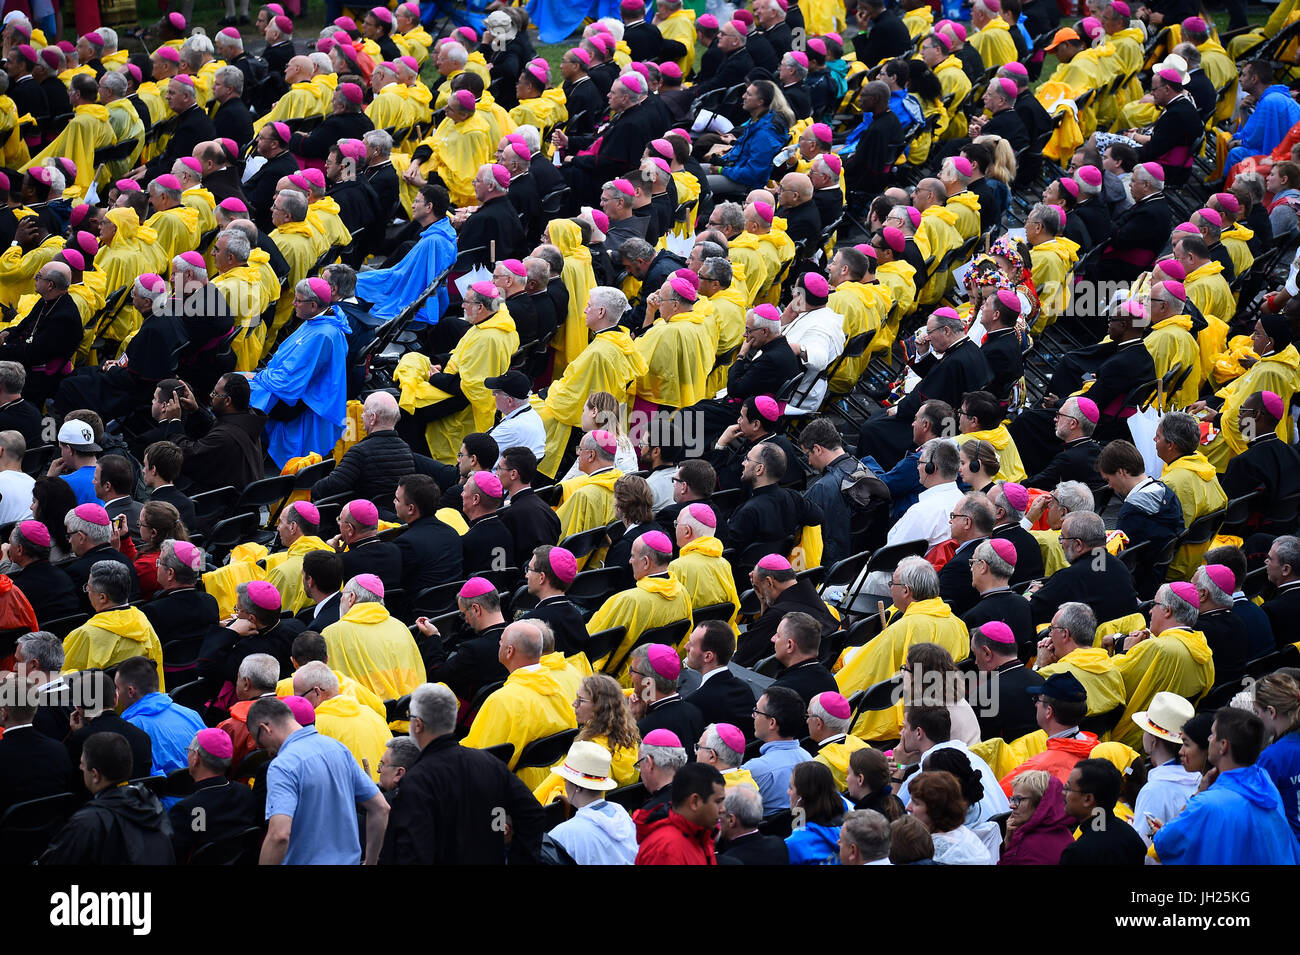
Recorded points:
(1058, 759)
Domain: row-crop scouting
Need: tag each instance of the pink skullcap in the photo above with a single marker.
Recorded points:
(1172, 268)
(1088, 408)
(352, 93)
(765, 211)
(78, 214)
(1016, 494)
(1210, 216)
(1008, 86)
(412, 8)
(188, 554)
(563, 564)
(1195, 25)
(633, 82)
(371, 583)
(960, 30)
(168, 181)
(486, 289)
(601, 28)
(601, 220)
(1060, 210)
(230, 146)
(192, 164)
(410, 62)
(770, 312)
(1189, 227)
(894, 238)
(321, 289)
(688, 276)
(476, 587)
(363, 512)
(1009, 298)
(93, 513)
(662, 164)
(74, 259)
(835, 36)
(993, 5)
(834, 704)
(51, 56)
(683, 288)
(740, 25)
(868, 250)
(663, 147)
(727, 732)
(308, 511)
(1221, 577)
(1070, 186)
(1089, 175)
(168, 53)
(822, 133)
(670, 70)
(351, 148)
(276, 9)
(381, 14)
(1133, 308)
(1091, 26)
(768, 407)
(942, 38)
(817, 45)
(1155, 171)
(996, 630)
(136, 73)
(1004, 549)
(515, 267)
(29, 53)
(304, 714)
(539, 71)
(799, 57)
(774, 562)
(1017, 68)
(962, 165)
(1177, 289)
(467, 33)
(41, 174)
(833, 163)
(488, 483)
(229, 32)
(1186, 591)
(1227, 202)
(603, 42)
(816, 285)
(390, 65)
(624, 186)
(36, 532)
(657, 541)
(641, 69)
(152, 281)
(314, 178)
(345, 23)
(663, 659)
(233, 205)
(581, 55)
(914, 216)
(632, 6)
(501, 174)
(702, 513)
(176, 20)
(946, 312)
(1122, 8)
(87, 243)
(665, 738)
(342, 39)
(192, 258)
(605, 441)
(183, 79)
(264, 594)
(216, 742)
(783, 4)
(285, 25)
(24, 29)
(1273, 404)
(282, 130)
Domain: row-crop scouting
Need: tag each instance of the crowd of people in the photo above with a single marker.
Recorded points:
(799, 438)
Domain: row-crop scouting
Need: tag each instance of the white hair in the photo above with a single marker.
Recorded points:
(919, 576)
(532, 136)
(612, 300)
(726, 755)
(109, 37)
(762, 324)
(1140, 173)
(321, 62)
(1180, 609)
(361, 594)
(260, 669)
(1220, 597)
(455, 54)
(698, 527)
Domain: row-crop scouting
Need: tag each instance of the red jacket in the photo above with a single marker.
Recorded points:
(1058, 759)
(675, 840)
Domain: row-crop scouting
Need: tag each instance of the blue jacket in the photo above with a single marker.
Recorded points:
(749, 161)
(1281, 761)
(814, 844)
(171, 728)
(1151, 512)
(1274, 115)
(903, 481)
(392, 289)
(1237, 821)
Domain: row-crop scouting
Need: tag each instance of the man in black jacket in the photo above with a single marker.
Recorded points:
(322, 576)
(1170, 140)
(48, 589)
(736, 62)
(233, 119)
(991, 571)
(796, 645)
(1269, 465)
(548, 572)
(95, 714)
(47, 338)
(366, 553)
(226, 808)
(643, 39)
(1001, 348)
(795, 205)
(721, 696)
(1077, 460)
(763, 364)
(347, 121)
(32, 765)
(779, 592)
(17, 413)
(887, 36)
(272, 145)
(1091, 793)
(472, 662)
(655, 670)
(621, 142)
(495, 224)
(1094, 576)
(970, 525)
(371, 467)
(222, 446)
(430, 549)
(447, 810)
(487, 545)
(771, 513)
(192, 127)
(530, 520)
(868, 168)
(220, 177)
(181, 614)
(1004, 121)
(1010, 501)
(1129, 251)
(741, 842)
(1008, 711)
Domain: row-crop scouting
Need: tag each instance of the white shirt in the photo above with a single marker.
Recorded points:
(15, 496)
(1165, 794)
(661, 486)
(928, 517)
(820, 333)
(521, 428)
(995, 800)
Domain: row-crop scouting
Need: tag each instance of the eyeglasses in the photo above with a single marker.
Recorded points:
(1016, 801)
(954, 515)
(677, 480)
(758, 712)
(895, 583)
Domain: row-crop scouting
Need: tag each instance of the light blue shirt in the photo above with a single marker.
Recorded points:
(772, 769)
(315, 781)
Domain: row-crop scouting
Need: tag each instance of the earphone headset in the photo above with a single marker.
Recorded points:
(975, 466)
(929, 467)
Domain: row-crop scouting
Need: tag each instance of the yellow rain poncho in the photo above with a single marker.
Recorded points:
(588, 502)
(126, 123)
(416, 42)
(1193, 479)
(836, 756)
(1208, 290)
(89, 130)
(323, 217)
(966, 207)
(822, 16)
(302, 100)
(579, 279)
(1222, 72)
(110, 637)
(482, 352)
(1012, 469)
(622, 768)
(177, 228)
(296, 243)
(653, 602)
(363, 731)
(347, 687)
(530, 706)
(567, 672)
(205, 204)
(459, 151)
(498, 120)
(727, 316)
(1052, 262)
(287, 574)
(919, 22)
(936, 236)
(377, 651)
(688, 190)
(1279, 373)
(744, 249)
(1235, 241)
(542, 111)
(1178, 660)
(389, 109)
(18, 269)
(1170, 342)
(924, 621)
(13, 149)
(778, 251)
(899, 279)
(1094, 668)
(133, 251)
(1003, 757)
(864, 307)
(707, 576)
(994, 43)
(419, 100)
(679, 354)
(223, 583)
(247, 296)
(956, 85)
(680, 26)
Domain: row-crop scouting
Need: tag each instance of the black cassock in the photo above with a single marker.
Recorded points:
(150, 357)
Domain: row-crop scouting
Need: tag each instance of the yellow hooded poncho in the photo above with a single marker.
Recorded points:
(126, 123)
(936, 236)
(1209, 291)
(587, 502)
(530, 706)
(707, 576)
(297, 243)
(1178, 660)
(347, 686)
(744, 249)
(108, 638)
(13, 149)
(727, 315)
(836, 756)
(459, 151)
(1094, 668)
(89, 130)
(1012, 469)
(994, 43)
(955, 85)
(1051, 262)
(246, 294)
(680, 26)
(653, 602)
(864, 308)
(363, 731)
(679, 354)
(302, 100)
(1235, 241)
(376, 650)
(287, 574)
(177, 228)
(579, 279)
(18, 269)
(323, 217)
(1193, 479)
(899, 279)
(1170, 342)
(965, 206)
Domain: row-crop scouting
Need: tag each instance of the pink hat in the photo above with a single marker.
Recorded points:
(765, 211)
(605, 441)
(603, 42)
(664, 661)
(371, 583)
(342, 39)
(168, 53)
(1088, 408)
(466, 33)
(1017, 68)
(282, 131)
(1172, 268)
(1070, 186)
(689, 276)
(774, 562)
(1188, 227)
(821, 132)
(633, 82)
(233, 205)
(501, 174)
(1016, 494)
(74, 259)
(657, 541)
(563, 564)
(942, 38)
(993, 5)
(152, 281)
(1004, 549)
(600, 219)
(1186, 591)
(946, 312)
(390, 65)
(276, 9)
(960, 30)
(188, 554)
(913, 216)
(783, 4)
(868, 250)
(76, 217)
(894, 238)
(135, 71)
(1008, 87)
(962, 165)
(1089, 175)
(168, 181)
(1009, 298)
(465, 100)
(1122, 8)
(476, 587)
(308, 511)
(769, 312)
(41, 174)
(662, 164)
(352, 93)
(730, 734)
(36, 532)
(624, 186)
(702, 513)
(230, 146)
(663, 147)
(739, 25)
(321, 289)
(1228, 202)
(1155, 171)
(683, 288)
(264, 594)
(92, 513)
(1177, 289)
(641, 69)
(1060, 210)
(1195, 25)
(833, 163)
(315, 178)
(285, 25)
(87, 243)
(28, 52)
(817, 45)
(51, 56)
(410, 62)
(666, 738)
(515, 267)
(230, 32)
(834, 704)
(304, 713)
(632, 6)
(192, 164)
(363, 512)
(539, 71)
(352, 149)
(24, 29)
(581, 55)
(1091, 27)
(488, 483)
(1133, 308)
(486, 289)
(1221, 577)
(183, 79)
(768, 407)
(799, 57)
(176, 20)
(1210, 216)
(411, 9)
(1273, 404)
(381, 14)
(816, 285)
(670, 70)
(997, 631)
(215, 742)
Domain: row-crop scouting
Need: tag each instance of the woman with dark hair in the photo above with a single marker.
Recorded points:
(818, 812)
(634, 506)
(979, 478)
(1195, 751)
(937, 802)
(52, 498)
(159, 521)
(869, 786)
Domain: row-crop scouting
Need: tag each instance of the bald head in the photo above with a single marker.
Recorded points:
(59, 276)
(875, 96)
(522, 643)
(299, 69)
(796, 189)
(382, 408)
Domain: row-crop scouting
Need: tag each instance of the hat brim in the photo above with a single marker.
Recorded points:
(84, 448)
(1140, 718)
(565, 773)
